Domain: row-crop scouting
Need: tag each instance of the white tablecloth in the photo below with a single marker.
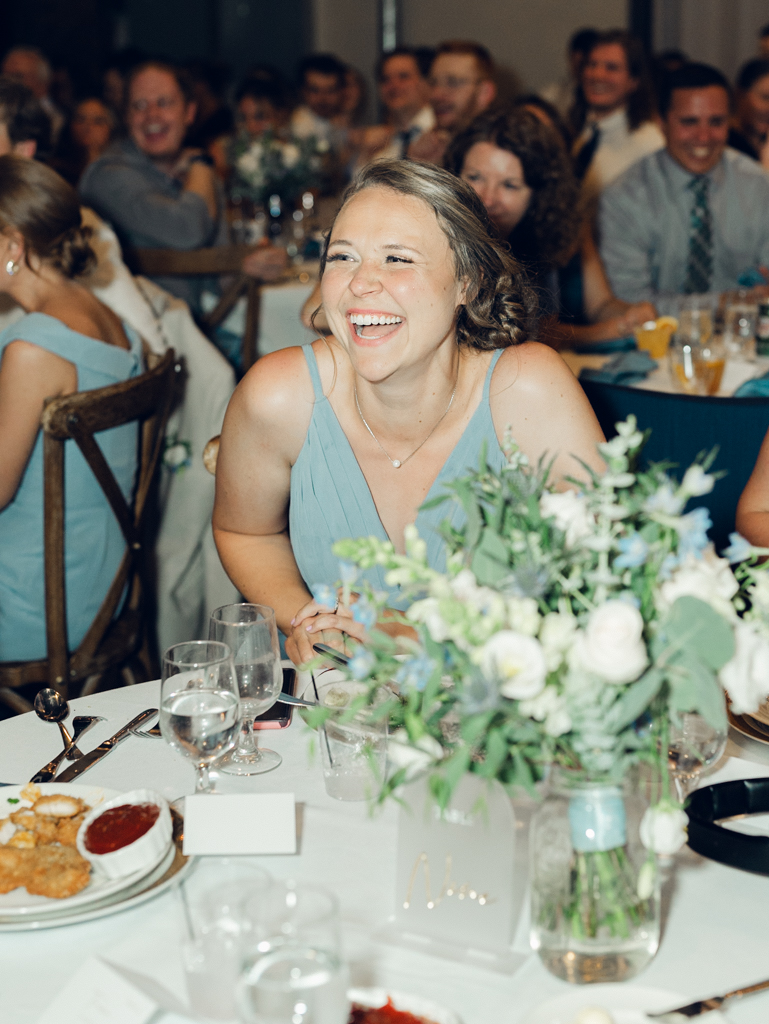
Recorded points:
(715, 932)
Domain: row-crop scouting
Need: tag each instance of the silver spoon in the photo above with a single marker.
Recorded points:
(50, 706)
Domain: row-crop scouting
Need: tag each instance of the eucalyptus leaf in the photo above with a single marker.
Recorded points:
(693, 624)
(694, 687)
(489, 562)
(635, 700)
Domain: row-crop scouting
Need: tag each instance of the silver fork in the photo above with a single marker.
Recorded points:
(683, 1013)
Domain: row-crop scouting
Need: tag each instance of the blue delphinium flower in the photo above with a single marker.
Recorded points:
(739, 549)
(364, 613)
(693, 532)
(361, 663)
(348, 573)
(633, 551)
(669, 564)
(414, 673)
(323, 594)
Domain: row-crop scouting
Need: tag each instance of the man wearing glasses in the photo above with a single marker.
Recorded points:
(461, 87)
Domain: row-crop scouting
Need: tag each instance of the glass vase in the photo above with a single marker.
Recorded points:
(595, 907)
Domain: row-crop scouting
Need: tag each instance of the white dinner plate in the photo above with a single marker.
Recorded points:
(19, 903)
(406, 1003)
(626, 1004)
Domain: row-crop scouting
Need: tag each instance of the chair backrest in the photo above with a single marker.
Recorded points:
(147, 399)
(213, 261)
(683, 426)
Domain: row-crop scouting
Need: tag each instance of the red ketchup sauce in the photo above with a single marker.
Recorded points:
(386, 1014)
(119, 826)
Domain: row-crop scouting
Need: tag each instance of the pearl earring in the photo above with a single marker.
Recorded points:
(11, 268)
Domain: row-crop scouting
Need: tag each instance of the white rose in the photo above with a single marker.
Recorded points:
(556, 636)
(663, 829)
(612, 644)
(571, 514)
(291, 155)
(523, 615)
(415, 758)
(746, 676)
(427, 612)
(709, 578)
(516, 662)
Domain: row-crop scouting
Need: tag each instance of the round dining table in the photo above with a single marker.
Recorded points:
(715, 919)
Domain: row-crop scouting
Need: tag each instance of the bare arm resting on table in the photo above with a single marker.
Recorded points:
(263, 433)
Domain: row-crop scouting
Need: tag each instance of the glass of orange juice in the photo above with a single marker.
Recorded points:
(696, 368)
(654, 335)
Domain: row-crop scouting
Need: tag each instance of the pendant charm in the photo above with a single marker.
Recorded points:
(396, 463)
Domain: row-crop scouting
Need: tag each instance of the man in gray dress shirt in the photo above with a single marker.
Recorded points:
(692, 218)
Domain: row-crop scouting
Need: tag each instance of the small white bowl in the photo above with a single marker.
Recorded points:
(143, 853)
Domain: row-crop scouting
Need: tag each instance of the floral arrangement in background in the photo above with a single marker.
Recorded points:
(569, 629)
(270, 166)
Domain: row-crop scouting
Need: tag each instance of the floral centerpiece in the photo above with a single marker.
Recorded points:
(568, 632)
(270, 166)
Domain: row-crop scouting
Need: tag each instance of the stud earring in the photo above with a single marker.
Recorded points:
(11, 268)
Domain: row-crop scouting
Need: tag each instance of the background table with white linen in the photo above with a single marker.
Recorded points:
(715, 933)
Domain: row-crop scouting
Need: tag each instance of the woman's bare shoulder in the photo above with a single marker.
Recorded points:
(532, 368)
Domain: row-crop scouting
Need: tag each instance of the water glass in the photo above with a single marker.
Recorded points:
(354, 751)
(251, 633)
(740, 329)
(199, 704)
(693, 746)
(292, 914)
(213, 899)
(294, 985)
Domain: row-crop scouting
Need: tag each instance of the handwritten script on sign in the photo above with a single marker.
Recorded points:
(448, 888)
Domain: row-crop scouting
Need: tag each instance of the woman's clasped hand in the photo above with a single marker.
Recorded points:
(428, 360)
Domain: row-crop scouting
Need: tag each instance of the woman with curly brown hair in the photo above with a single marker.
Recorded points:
(517, 164)
(427, 362)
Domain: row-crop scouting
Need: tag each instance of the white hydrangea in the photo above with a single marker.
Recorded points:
(709, 578)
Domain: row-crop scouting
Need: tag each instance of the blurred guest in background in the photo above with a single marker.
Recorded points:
(88, 134)
(694, 217)
(24, 126)
(750, 130)
(322, 79)
(404, 91)
(563, 93)
(462, 85)
(763, 42)
(260, 106)
(28, 65)
(355, 100)
(516, 163)
(213, 118)
(115, 74)
(614, 112)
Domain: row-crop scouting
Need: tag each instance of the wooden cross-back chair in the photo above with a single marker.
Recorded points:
(111, 641)
(211, 262)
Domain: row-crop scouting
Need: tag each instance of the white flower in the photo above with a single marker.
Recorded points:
(426, 611)
(612, 644)
(516, 662)
(664, 501)
(709, 578)
(759, 592)
(464, 585)
(291, 155)
(571, 514)
(746, 676)
(548, 707)
(663, 828)
(416, 758)
(523, 615)
(176, 455)
(556, 636)
(697, 482)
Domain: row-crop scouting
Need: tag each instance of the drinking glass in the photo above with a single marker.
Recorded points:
(697, 368)
(740, 318)
(250, 632)
(693, 746)
(199, 704)
(294, 986)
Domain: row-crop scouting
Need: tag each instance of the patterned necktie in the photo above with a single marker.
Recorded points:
(699, 269)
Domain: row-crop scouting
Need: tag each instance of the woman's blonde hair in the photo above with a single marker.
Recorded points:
(500, 307)
(45, 210)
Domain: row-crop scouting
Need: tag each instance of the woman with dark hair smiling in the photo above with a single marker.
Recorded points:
(517, 165)
(427, 361)
(750, 132)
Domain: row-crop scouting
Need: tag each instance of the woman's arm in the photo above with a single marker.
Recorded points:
(263, 433)
(535, 392)
(28, 375)
(753, 506)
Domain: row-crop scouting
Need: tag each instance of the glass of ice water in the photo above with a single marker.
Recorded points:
(199, 704)
(250, 631)
(353, 747)
(294, 985)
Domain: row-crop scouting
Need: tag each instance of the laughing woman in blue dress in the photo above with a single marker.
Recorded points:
(347, 437)
(67, 341)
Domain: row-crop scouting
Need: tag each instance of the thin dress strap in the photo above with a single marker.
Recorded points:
(312, 366)
(489, 372)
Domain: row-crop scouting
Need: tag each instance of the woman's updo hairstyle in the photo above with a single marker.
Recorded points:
(500, 307)
(45, 210)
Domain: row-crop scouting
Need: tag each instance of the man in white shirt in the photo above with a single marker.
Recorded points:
(404, 91)
(615, 112)
(321, 82)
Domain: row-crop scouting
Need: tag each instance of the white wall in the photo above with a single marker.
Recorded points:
(719, 32)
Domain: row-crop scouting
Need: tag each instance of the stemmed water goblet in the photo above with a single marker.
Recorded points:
(250, 632)
(693, 746)
(199, 704)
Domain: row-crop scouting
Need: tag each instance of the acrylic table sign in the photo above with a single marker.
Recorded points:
(458, 893)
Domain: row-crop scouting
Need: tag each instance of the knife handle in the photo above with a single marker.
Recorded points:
(48, 771)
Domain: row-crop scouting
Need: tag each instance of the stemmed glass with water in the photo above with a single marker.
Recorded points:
(250, 631)
(199, 704)
(693, 746)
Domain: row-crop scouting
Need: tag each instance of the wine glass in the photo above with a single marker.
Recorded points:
(249, 630)
(693, 746)
(199, 704)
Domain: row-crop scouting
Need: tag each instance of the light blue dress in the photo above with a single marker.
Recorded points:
(94, 543)
(330, 499)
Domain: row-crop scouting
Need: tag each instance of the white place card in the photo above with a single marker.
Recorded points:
(98, 994)
(239, 823)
